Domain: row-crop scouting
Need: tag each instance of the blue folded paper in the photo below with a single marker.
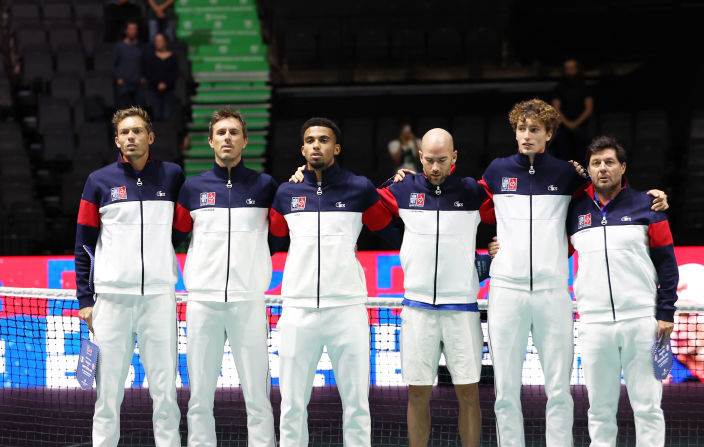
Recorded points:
(662, 359)
(87, 364)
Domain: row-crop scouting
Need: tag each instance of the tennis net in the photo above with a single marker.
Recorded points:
(42, 404)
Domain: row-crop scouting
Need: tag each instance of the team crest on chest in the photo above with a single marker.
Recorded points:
(118, 193)
(207, 198)
(417, 199)
(509, 184)
(298, 203)
(584, 220)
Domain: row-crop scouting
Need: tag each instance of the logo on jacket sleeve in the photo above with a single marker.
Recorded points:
(118, 193)
(509, 184)
(339, 205)
(552, 188)
(160, 194)
(626, 219)
(584, 220)
(250, 201)
(458, 204)
(298, 203)
(417, 199)
(207, 198)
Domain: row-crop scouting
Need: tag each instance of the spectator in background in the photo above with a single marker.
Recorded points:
(117, 13)
(162, 18)
(127, 68)
(404, 149)
(161, 71)
(688, 334)
(574, 101)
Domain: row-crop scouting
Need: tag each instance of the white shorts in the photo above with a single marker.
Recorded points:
(425, 333)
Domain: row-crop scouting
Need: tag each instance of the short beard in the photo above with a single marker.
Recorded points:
(317, 164)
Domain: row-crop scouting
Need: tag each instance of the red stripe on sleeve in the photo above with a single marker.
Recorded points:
(389, 200)
(581, 190)
(182, 219)
(88, 214)
(570, 248)
(377, 216)
(660, 234)
(277, 223)
(486, 210)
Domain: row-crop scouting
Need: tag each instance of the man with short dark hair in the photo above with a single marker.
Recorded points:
(227, 272)
(626, 291)
(127, 68)
(125, 275)
(323, 290)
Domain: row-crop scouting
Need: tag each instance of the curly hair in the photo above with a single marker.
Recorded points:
(131, 111)
(534, 109)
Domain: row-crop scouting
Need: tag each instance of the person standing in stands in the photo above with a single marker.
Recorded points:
(162, 18)
(161, 70)
(574, 101)
(405, 149)
(128, 69)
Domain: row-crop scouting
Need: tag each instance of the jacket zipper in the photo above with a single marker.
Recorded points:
(531, 171)
(229, 224)
(141, 228)
(606, 256)
(437, 242)
(319, 193)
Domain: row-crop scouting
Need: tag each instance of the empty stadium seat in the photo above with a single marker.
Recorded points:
(100, 84)
(54, 113)
(65, 86)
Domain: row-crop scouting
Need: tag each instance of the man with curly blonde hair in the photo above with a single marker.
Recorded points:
(529, 194)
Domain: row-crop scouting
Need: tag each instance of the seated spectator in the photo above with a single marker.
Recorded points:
(404, 149)
(161, 70)
(574, 101)
(162, 18)
(127, 69)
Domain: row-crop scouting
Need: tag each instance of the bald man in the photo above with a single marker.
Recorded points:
(440, 315)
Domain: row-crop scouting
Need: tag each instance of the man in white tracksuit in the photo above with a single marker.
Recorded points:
(529, 194)
(125, 276)
(324, 290)
(626, 293)
(227, 272)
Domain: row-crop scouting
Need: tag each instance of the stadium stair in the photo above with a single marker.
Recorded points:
(229, 63)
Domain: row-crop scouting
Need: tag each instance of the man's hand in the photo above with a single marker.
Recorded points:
(161, 87)
(664, 330)
(297, 176)
(660, 201)
(120, 81)
(86, 314)
(579, 168)
(401, 174)
(493, 247)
